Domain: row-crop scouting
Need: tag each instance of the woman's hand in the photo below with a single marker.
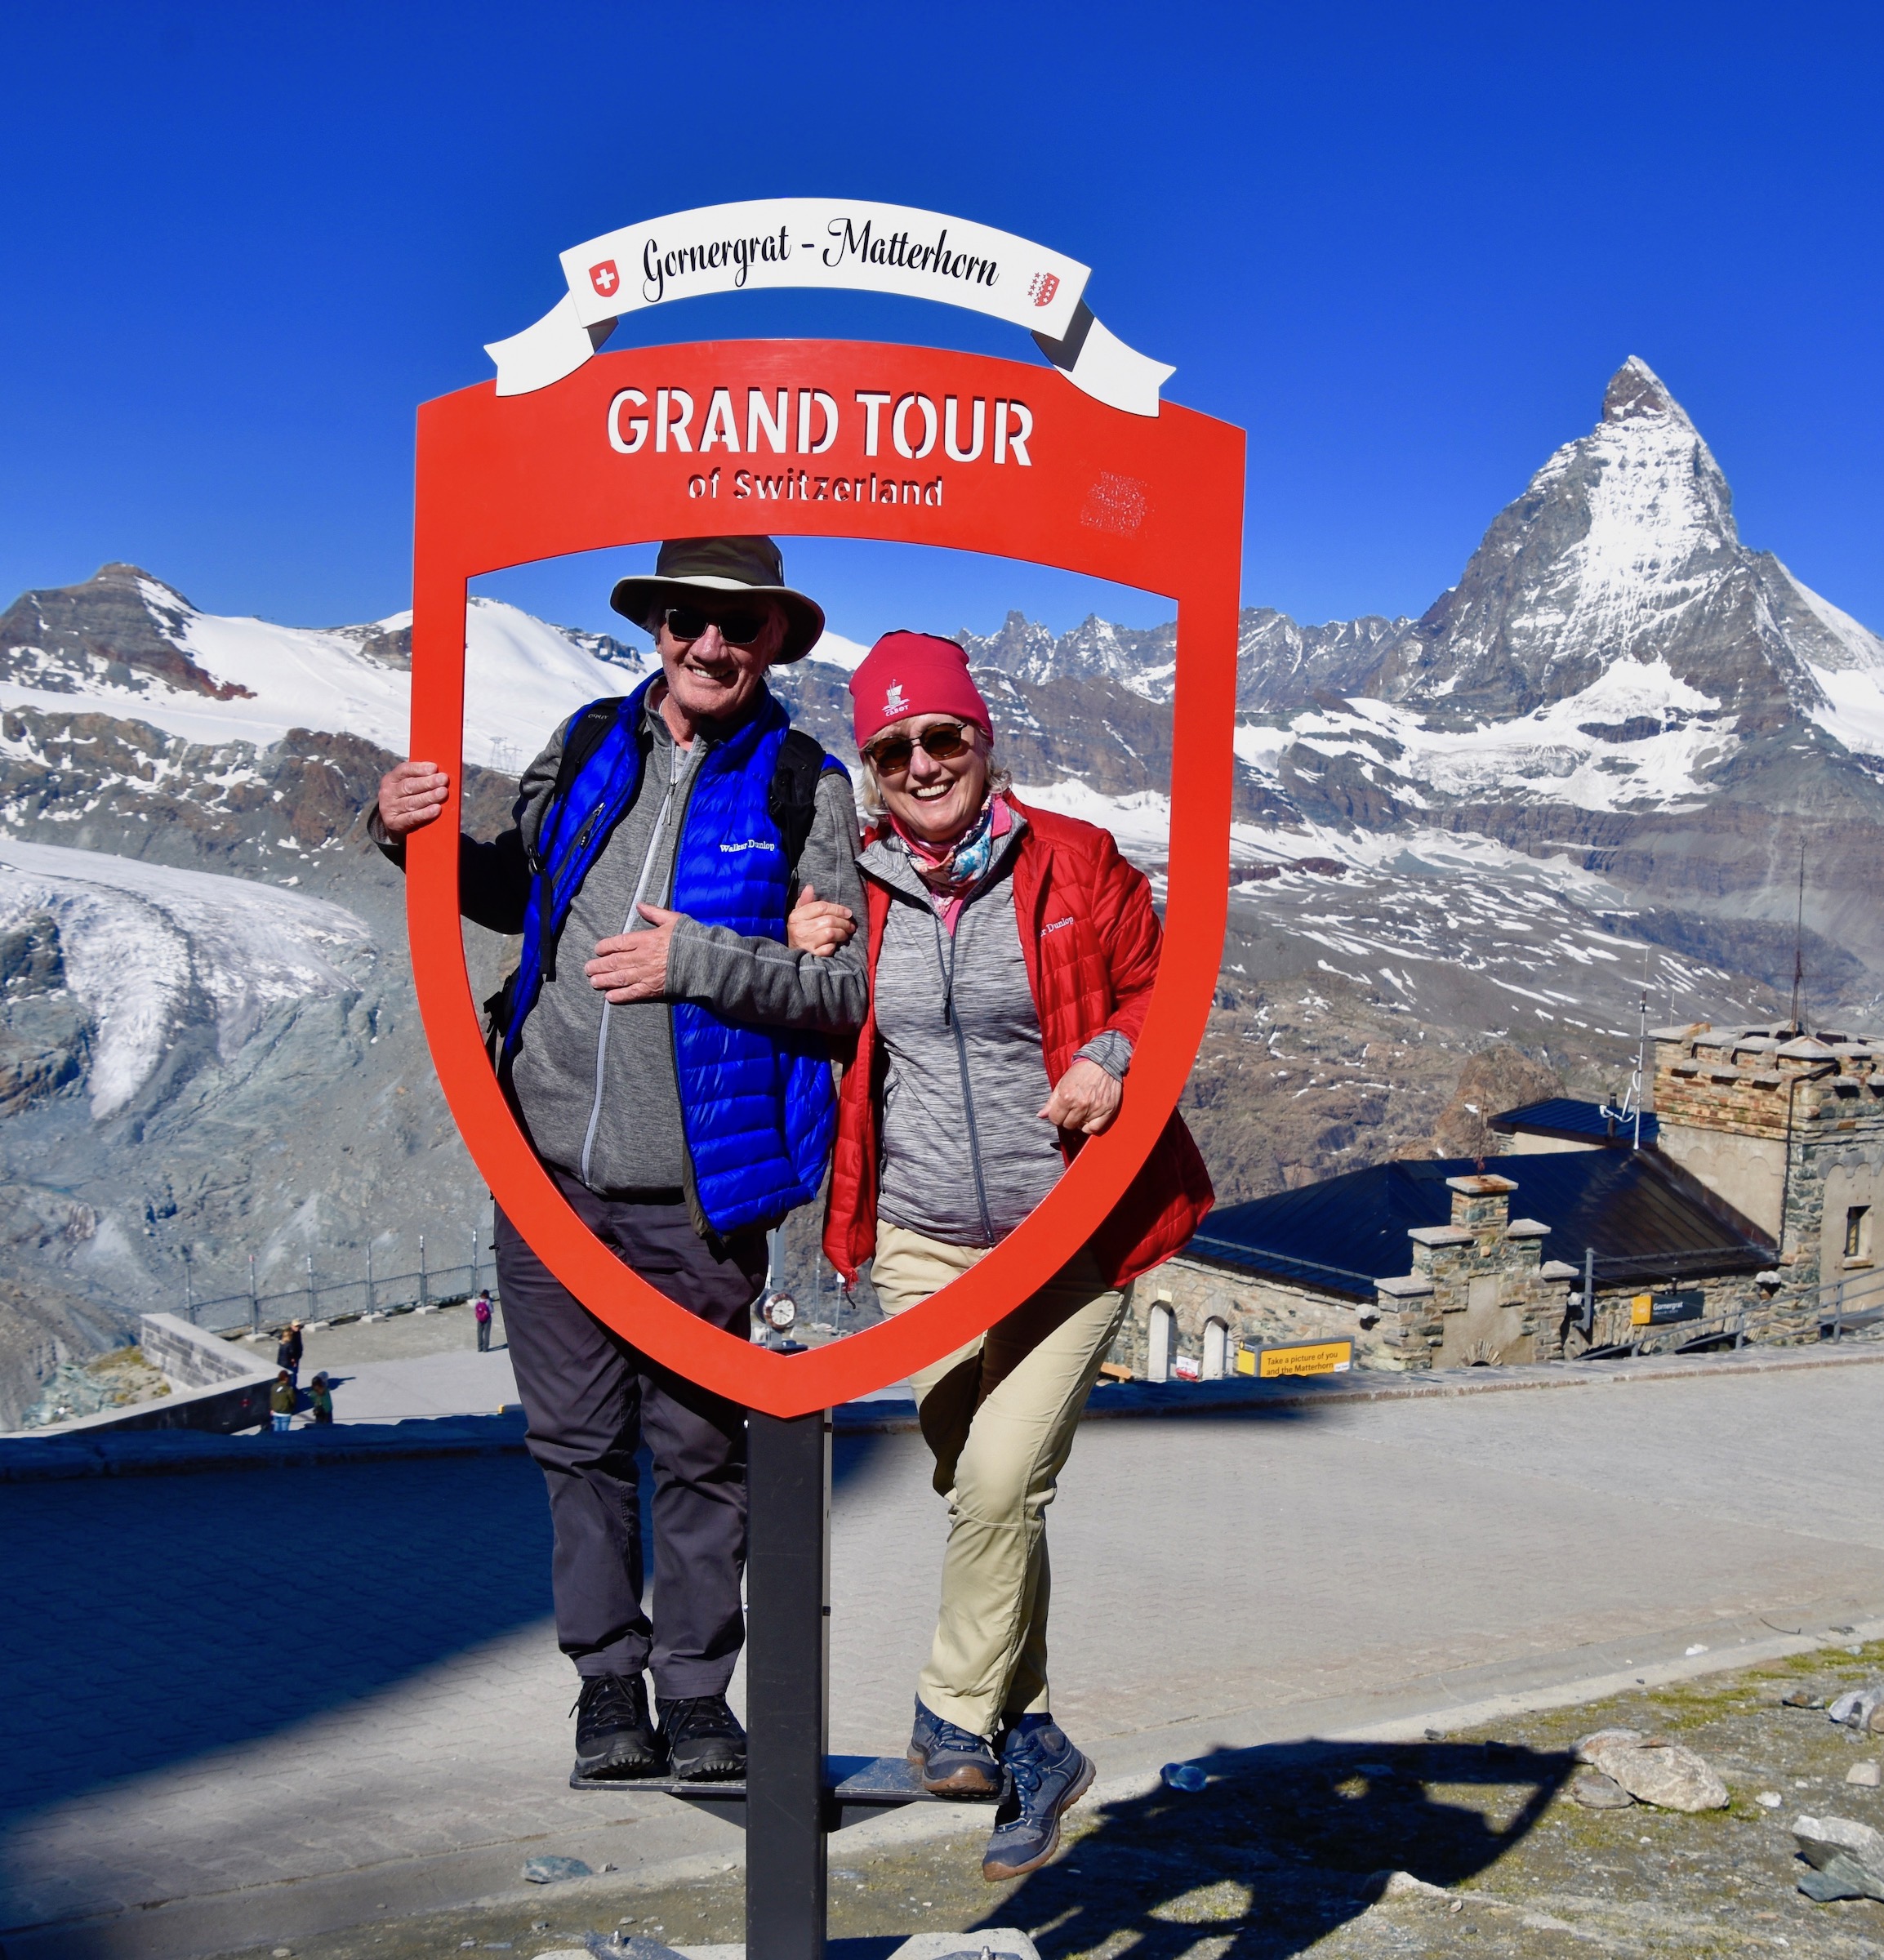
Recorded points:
(1086, 1099)
(411, 795)
(633, 966)
(818, 925)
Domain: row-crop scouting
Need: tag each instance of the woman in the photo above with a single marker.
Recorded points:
(1011, 955)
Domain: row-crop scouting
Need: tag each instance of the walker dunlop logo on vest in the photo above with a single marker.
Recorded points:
(838, 446)
(752, 843)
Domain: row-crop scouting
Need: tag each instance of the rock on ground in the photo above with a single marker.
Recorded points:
(1847, 1857)
(1653, 1770)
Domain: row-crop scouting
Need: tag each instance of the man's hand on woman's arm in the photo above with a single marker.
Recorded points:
(818, 925)
(411, 795)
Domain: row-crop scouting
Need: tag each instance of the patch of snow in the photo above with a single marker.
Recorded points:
(833, 650)
(1853, 712)
(141, 940)
(1547, 750)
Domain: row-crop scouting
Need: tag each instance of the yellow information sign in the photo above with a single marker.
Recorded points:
(1308, 1357)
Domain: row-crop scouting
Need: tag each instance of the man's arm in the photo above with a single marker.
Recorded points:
(763, 982)
(493, 879)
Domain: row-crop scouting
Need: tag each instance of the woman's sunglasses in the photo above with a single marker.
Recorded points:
(945, 740)
(736, 629)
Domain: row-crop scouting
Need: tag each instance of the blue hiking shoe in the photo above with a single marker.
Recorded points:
(950, 1761)
(1049, 1777)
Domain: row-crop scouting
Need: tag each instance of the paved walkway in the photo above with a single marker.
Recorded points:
(245, 1706)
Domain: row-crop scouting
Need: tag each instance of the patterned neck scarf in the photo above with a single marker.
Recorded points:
(951, 872)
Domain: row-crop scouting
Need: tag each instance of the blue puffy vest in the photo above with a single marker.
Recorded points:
(756, 1103)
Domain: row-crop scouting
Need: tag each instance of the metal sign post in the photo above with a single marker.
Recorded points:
(787, 1683)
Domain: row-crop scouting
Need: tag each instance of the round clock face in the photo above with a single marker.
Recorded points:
(781, 1311)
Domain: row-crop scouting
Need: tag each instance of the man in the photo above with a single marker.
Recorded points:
(659, 844)
(289, 1353)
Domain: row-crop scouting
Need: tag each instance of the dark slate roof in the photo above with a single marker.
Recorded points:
(1561, 1116)
(1342, 1234)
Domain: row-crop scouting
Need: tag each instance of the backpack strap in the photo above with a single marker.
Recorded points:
(792, 799)
(584, 737)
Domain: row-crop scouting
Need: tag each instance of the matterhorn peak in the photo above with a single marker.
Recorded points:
(1635, 390)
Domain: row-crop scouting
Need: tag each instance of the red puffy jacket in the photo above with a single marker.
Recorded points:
(1096, 975)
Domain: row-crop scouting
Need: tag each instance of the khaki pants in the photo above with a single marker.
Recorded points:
(999, 1415)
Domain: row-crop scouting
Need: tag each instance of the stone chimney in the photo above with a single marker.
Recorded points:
(1479, 1291)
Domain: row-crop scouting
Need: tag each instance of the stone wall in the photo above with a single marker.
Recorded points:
(1256, 1312)
(218, 1387)
(190, 1357)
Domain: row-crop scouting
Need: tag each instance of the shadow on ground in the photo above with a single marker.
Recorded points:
(1285, 1844)
(149, 1620)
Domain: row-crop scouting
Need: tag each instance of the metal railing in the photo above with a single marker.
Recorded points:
(322, 1295)
(1852, 1303)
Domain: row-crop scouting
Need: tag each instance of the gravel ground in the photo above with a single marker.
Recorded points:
(1287, 1851)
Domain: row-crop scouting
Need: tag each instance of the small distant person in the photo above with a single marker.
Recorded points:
(288, 1354)
(481, 1313)
(281, 1401)
(322, 1397)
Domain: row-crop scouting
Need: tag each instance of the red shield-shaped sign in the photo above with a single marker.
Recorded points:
(831, 438)
(605, 278)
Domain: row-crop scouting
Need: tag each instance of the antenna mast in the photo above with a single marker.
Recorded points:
(1641, 1053)
(1799, 947)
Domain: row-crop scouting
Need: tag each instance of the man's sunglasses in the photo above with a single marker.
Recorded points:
(944, 740)
(736, 629)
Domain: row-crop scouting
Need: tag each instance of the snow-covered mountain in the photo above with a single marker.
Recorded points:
(1622, 552)
(128, 644)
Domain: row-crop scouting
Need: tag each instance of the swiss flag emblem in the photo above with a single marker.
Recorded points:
(604, 279)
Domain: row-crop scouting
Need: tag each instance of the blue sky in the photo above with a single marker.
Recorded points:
(1403, 247)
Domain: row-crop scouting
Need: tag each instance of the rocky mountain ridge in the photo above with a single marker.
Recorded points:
(1583, 772)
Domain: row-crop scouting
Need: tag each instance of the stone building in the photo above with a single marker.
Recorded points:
(1784, 1135)
(1420, 1264)
(1758, 1186)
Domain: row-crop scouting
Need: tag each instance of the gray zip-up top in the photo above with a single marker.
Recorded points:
(965, 1155)
(596, 1083)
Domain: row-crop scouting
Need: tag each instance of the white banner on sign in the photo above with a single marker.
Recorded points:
(776, 241)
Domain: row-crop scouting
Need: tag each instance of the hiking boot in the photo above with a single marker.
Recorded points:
(615, 1736)
(704, 1741)
(950, 1761)
(1049, 1776)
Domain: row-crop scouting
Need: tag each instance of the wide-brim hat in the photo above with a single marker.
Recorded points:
(718, 569)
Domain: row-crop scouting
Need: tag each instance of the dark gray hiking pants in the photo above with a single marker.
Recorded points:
(590, 1398)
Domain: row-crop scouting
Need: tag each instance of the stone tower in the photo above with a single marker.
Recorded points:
(1785, 1133)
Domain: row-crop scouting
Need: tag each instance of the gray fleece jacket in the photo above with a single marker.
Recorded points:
(965, 1155)
(595, 1084)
